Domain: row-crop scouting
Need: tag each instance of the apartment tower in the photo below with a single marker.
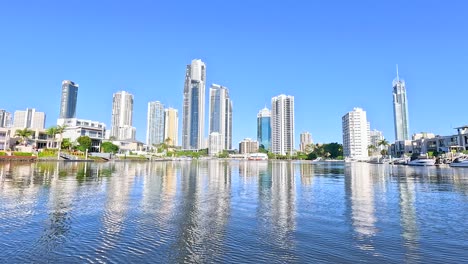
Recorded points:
(171, 126)
(155, 123)
(68, 99)
(193, 120)
(122, 114)
(282, 124)
(355, 134)
(221, 114)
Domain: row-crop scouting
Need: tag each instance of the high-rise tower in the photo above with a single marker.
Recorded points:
(193, 120)
(155, 123)
(400, 109)
(171, 126)
(264, 128)
(282, 124)
(122, 114)
(68, 100)
(355, 134)
(221, 114)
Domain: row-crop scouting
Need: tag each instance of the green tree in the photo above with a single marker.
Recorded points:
(334, 150)
(84, 143)
(262, 149)
(384, 143)
(109, 147)
(66, 144)
(60, 130)
(223, 154)
(51, 132)
(24, 134)
(371, 149)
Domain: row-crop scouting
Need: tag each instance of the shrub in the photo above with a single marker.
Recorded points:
(23, 154)
(2, 153)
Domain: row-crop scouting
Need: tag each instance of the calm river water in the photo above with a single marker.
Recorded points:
(232, 212)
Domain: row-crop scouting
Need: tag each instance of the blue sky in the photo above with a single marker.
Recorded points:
(331, 55)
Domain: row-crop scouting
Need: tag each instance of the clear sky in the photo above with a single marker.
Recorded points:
(331, 55)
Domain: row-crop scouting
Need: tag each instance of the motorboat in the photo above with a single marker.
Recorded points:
(460, 162)
(422, 162)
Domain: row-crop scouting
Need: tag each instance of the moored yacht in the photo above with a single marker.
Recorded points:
(422, 162)
(460, 162)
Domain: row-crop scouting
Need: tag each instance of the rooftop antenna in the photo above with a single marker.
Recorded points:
(397, 77)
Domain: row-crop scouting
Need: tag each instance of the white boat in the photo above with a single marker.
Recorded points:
(460, 162)
(258, 156)
(422, 162)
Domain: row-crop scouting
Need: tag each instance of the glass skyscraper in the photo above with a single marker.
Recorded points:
(193, 119)
(221, 114)
(400, 109)
(155, 123)
(264, 128)
(68, 100)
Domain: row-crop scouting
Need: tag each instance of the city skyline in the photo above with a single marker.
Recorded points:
(342, 58)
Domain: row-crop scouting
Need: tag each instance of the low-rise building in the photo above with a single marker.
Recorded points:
(75, 128)
(248, 146)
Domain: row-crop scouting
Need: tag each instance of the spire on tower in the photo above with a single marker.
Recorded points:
(397, 77)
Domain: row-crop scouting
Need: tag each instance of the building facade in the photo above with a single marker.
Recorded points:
(5, 118)
(248, 146)
(264, 128)
(375, 137)
(400, 109)
(68, 99)
(220, 110)
(171, 126)
(155, 123)
(122, 116)
(282, 124)
(193, 120)
(215, 144)
(75, 128)
(306, 140)
(355, 134)
(29, 119)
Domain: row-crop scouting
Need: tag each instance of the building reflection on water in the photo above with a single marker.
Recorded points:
(361, 205)
(187, 212)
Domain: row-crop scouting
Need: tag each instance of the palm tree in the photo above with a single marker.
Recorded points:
(24, 134)
(60, 130)
(371, 149)
(384, 143)
(51, 132)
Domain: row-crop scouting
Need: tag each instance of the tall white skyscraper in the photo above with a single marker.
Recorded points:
(306, 139)
(400, 109)
(171, 126)
(221, 114)
(122, 114)
(355, 134)
(282, 124)
(68, 99)
(155, 123)
(29, 119)
(193, 120)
